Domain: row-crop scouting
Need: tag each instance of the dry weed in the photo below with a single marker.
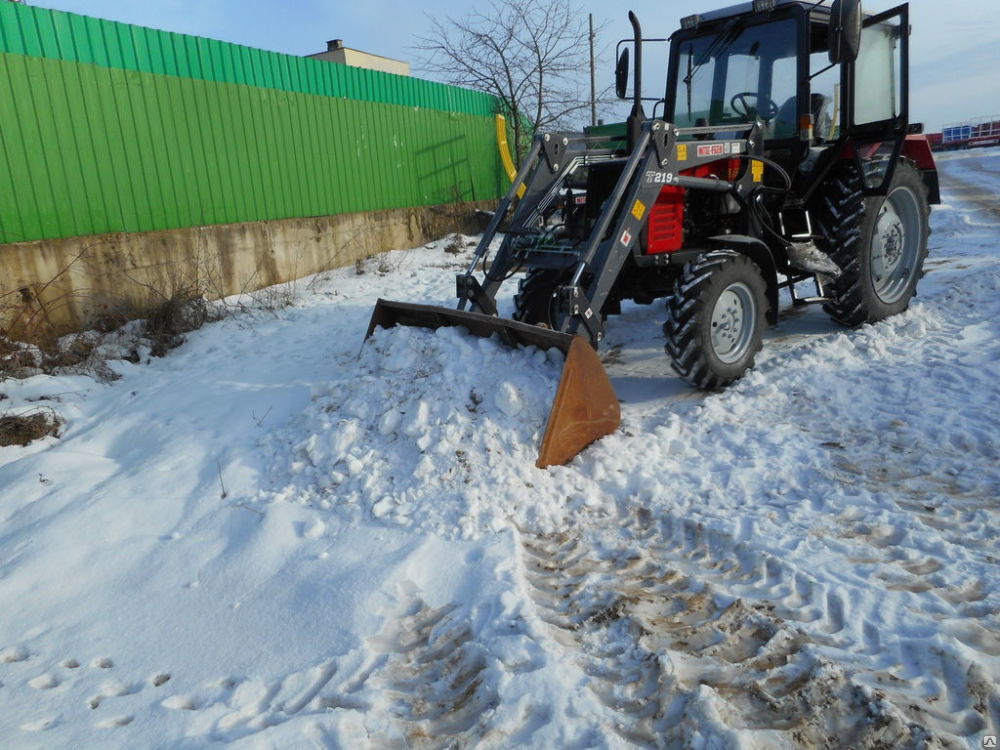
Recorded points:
(455, 244)
(185, 310)
(22, 429)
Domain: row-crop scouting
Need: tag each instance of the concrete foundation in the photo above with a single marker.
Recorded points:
(57, 286)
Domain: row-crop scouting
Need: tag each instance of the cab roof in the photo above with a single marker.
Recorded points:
(744, 8)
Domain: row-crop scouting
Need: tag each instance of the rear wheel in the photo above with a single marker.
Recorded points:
(879, 243)
(715, 319)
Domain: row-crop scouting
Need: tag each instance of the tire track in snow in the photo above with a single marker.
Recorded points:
(676, 607)
(421, 682)
(434, 684)
(958, 505)
(846, 625)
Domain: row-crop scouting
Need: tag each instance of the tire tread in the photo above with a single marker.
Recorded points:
(681, 329)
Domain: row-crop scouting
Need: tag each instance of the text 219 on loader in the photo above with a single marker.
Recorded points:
(780, 153)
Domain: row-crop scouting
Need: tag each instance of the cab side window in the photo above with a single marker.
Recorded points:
(877, 74)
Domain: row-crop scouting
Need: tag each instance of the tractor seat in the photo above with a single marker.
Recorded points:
(784, 124)
(822, 120)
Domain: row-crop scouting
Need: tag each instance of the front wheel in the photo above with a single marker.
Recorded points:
(715, 319)
(537, 300)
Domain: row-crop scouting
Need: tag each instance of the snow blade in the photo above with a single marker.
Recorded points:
(585, 407)
(512, 332)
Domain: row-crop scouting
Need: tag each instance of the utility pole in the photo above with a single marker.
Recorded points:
(593, 86)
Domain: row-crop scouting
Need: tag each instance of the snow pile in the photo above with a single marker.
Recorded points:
(433, 428)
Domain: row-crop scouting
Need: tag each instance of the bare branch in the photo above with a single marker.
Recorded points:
(533, 55)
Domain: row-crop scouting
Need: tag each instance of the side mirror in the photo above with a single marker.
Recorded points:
(621, 74)
(845, 31)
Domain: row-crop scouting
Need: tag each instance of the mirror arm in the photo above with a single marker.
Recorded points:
(821, 72)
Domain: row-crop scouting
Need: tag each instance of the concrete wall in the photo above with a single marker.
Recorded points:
(61, 285)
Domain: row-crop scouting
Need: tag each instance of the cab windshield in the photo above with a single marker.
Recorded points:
(739, 75)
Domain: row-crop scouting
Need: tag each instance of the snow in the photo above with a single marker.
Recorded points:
(387, 439)
(277, 537)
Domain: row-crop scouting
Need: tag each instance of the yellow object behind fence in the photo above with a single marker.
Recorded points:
(505, 157)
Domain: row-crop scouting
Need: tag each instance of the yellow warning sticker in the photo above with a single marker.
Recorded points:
(639, 210)
(757, 168)
(682, 152)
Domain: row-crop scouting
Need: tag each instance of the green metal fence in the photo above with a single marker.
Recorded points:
(107, 127)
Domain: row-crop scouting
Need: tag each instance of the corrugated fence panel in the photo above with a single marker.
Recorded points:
(106, 127)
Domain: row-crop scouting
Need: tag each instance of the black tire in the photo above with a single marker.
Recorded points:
(878, 242)
(720, 288)
(535, 301)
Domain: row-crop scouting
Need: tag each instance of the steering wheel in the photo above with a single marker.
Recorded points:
(766, 107)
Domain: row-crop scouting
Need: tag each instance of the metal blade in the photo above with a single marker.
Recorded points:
(585, 407)
(512, 332)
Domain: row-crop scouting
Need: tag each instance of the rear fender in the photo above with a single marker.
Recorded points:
(760, 254)
(917, 149)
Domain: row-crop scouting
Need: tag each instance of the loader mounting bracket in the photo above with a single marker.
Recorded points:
(467, 287)
(575, 302)
(663, 142)
(554, 146)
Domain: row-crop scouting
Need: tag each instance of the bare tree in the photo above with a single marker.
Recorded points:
(531, 54)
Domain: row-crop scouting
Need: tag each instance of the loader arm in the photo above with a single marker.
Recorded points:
(656, 161)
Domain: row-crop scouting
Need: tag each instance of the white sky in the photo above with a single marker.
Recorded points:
(955, 52)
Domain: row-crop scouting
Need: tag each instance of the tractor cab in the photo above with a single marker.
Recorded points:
(816, 77)
(742, 73)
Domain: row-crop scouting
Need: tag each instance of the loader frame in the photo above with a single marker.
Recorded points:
(653, 163)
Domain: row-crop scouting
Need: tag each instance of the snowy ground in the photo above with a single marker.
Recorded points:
(275, 538)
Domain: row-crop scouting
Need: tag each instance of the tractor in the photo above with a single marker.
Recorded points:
(779, 155)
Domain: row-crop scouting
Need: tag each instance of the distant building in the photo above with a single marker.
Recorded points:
(982, 131)
(338, 53)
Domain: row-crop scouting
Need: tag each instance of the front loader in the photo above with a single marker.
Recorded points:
(782, 154)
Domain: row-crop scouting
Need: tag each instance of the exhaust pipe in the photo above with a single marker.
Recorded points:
(636, 117)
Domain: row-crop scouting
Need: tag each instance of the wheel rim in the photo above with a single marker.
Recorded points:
(733, 320)
(896, 242)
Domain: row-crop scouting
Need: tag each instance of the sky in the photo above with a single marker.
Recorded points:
(955, 47)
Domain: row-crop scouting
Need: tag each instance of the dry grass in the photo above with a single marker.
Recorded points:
(30, 340)
(185, 310)
(455, 244)
(44, 354)
(22, 429)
